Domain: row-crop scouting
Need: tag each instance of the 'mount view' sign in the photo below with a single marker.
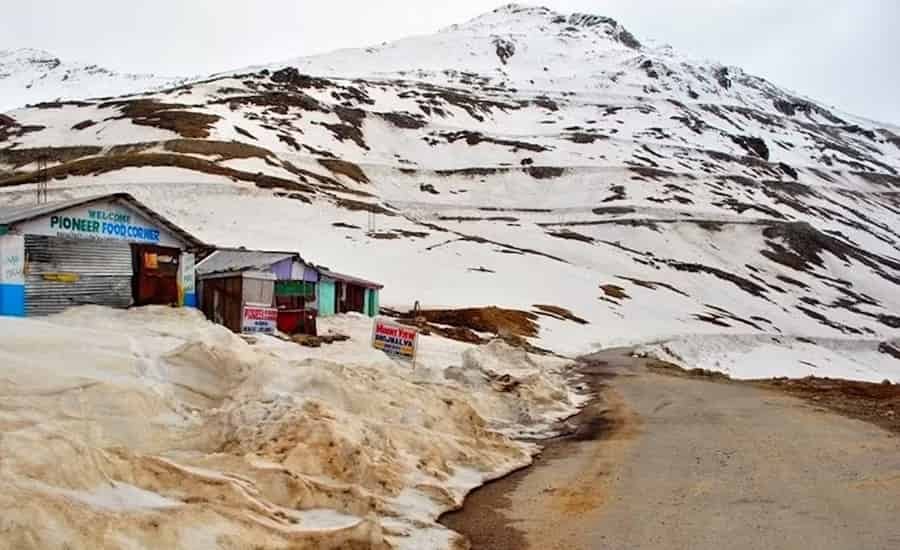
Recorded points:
(396, 340)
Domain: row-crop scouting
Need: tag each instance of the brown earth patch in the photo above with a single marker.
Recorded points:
(653, 285)
(890, 349)
(800, 246)
(545, 172)
(403, 120)
(244, 133)
(9, 128)
(744, 284)
(102, 165)
(871, 402)
(167, 116)
(383, 235)
(345, 168)
(275, 102)
(226, 150)
(411, 234)
(614, 210)
(572, 236)
(615, 291)
(83, 125)
(343, 132)
(474, 138)
(878, 404)
(560, 313)
(61, 104)
(477, 219)
(18, 158)
(359, 206)
(491, 319)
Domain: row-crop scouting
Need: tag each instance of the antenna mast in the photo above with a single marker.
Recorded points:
(43, 179)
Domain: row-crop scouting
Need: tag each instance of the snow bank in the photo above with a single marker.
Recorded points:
(762, 356)
(153, 428)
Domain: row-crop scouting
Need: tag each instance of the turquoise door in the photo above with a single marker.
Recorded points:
(326, 298)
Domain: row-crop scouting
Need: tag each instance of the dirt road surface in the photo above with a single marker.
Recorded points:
(665, 462)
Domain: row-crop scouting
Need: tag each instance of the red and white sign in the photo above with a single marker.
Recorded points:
(260, 320)
(397, 340)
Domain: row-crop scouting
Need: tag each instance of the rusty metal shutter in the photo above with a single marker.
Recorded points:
(62, 273)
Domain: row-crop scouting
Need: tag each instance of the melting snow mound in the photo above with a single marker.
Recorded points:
(153, 428)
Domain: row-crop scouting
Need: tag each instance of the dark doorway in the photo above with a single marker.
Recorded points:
(155, 275)
(350, 297)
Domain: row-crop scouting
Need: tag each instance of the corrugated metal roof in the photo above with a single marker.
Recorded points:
(223, 261)
(349, 279)
(11, 215)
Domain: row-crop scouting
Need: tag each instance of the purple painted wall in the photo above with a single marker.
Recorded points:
(310, 275)
(282, 269)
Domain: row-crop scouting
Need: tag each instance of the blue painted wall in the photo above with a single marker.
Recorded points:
(12, 300)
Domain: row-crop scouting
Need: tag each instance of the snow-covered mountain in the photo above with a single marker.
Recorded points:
(33, 76)
(525, 157)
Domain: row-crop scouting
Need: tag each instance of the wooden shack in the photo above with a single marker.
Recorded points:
(257, 291)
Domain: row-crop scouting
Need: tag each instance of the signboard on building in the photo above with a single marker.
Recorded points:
(396, 340)
(12, 260)
(99, 221)
(259, 319)
(188, 284)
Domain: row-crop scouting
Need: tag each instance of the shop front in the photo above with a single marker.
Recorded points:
(109, 250)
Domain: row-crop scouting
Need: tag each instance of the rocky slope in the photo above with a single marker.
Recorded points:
(525, 157)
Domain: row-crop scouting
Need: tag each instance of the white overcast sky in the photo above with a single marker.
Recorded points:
(842, 52)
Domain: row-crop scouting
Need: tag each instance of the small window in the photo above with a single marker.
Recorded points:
(259, 292)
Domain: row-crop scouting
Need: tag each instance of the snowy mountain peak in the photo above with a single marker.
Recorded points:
(29, 75)
(27, 56)
(519, 46)
(520, 18)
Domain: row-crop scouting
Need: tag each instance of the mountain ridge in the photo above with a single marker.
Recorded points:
(30, 75)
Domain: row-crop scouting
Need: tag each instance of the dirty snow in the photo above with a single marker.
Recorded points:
(155, 428)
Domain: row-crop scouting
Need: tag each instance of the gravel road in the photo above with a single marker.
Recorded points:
(664, 462)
